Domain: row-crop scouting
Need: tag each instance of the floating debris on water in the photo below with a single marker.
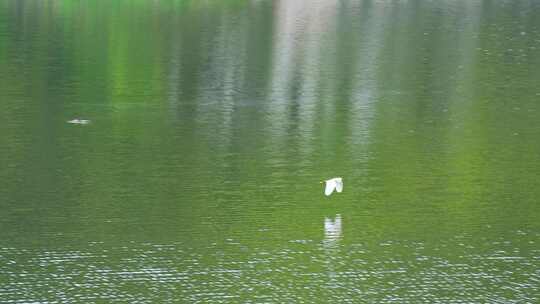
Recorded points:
(79, 121)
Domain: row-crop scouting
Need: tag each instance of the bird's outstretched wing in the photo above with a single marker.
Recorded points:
(339, 185)
(330, 185)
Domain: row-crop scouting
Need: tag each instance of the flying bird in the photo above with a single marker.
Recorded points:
(333, 183)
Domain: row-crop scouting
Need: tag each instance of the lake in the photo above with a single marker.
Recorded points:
(212, 124)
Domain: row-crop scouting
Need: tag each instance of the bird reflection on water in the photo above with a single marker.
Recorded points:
(332, 235)
(332, 231)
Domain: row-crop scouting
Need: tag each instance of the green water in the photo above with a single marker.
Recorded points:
(212, 123)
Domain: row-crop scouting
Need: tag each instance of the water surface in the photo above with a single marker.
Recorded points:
(212, 123)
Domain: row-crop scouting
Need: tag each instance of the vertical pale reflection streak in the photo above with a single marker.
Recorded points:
(289, 20)
(320, 27)
(462, 103)
(297, 71)
(174, 76)
(224, 77)
(365, 87)
(466, 44)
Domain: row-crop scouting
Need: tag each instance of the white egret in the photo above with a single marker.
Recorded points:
(78, 121)
(333, 183)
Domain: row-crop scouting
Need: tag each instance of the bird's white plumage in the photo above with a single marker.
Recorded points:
(339, 185)
(332, 184)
